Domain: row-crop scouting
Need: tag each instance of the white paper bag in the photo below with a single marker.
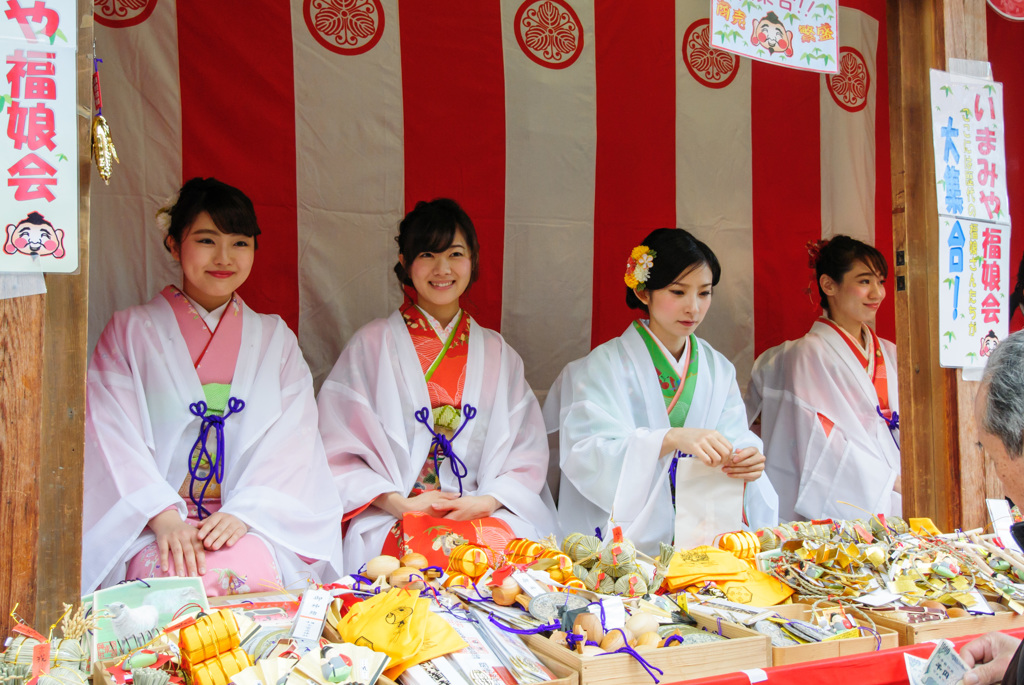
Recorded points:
(708, 503)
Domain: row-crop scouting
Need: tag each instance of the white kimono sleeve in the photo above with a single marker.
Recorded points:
(123, 485)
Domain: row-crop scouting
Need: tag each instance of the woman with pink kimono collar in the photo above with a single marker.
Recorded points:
(202, 455)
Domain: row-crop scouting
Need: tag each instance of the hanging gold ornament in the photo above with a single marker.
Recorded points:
(103, 151)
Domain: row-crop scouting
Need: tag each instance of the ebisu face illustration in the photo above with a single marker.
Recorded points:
(34, 236)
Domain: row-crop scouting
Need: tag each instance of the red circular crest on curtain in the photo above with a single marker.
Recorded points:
(347, 27)
(549, 32)
(850, 87)
(1011, 9)
(710, 67)
(120, 13)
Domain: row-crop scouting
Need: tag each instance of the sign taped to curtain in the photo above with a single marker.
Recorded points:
(802, 34)
(973, 285)
(39, 151)
(970, 147)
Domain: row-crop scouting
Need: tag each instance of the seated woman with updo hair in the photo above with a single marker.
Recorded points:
(829, 401)
(202, 456)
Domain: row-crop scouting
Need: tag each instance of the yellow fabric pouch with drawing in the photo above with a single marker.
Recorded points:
(759, 589)
(399, 623)
(702, 564)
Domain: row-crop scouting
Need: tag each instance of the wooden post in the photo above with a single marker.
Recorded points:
(944, 474)
(59, 551)
(21, 395)
(966, 37)
(928, 411)
(42, 409)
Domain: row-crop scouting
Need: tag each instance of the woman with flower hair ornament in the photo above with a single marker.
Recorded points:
(427, 411)
(202, 456)
(652, 432)
(829, 401)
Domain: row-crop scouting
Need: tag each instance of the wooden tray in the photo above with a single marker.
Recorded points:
(915, 633)
(746, 649)
(833, 648)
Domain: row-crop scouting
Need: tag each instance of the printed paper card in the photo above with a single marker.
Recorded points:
(970, 147)
(803, 34)
(132, 614)
(974, 283)
(39, 151)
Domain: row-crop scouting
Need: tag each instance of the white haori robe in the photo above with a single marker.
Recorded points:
(375, 445)
(610, 414)
(858, 461)
(139, 434)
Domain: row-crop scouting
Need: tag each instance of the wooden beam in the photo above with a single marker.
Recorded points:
(58, 573)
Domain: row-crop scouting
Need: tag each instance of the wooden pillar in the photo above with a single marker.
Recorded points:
(59, 560)
(966, 37)
(42, 408)
(21, 385)
(943, 473)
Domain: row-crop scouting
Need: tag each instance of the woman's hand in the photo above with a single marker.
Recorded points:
(221, 530)
(898, 485)
(709, 446)
(746, 464)
(397, 506)
(466, 508)
(181, 551)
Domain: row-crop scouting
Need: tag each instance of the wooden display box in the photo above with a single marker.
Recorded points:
(915, 633)
(745, 649)
(833, 648)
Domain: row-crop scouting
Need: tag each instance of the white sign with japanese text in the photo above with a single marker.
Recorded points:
(970, 149)
(802, 34)
(973, 289)
(39, 151)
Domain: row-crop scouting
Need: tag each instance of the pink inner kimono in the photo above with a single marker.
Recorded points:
(249, 565)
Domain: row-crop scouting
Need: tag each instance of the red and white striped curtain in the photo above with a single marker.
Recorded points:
(567, 129)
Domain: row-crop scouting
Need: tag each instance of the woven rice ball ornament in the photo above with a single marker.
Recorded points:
(563, 565)
(61, 675)
(631, 585)
(568, 541)
(622, 569)
(897, 524)
(522, 551)
(583, 548)
(62, 652)
(618, 554)
(468, 559)
(599, 581)
(767, 539)
(580, 571)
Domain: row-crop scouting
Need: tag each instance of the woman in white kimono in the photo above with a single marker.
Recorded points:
(652, 431)
(829, 401)
(426, 411)
(202, 455)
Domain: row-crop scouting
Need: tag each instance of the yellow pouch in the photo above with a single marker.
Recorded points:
(703, 564)
(439, 639)
(759, 589)
(391, 622)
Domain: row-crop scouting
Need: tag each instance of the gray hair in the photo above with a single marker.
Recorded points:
(1004, 410)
